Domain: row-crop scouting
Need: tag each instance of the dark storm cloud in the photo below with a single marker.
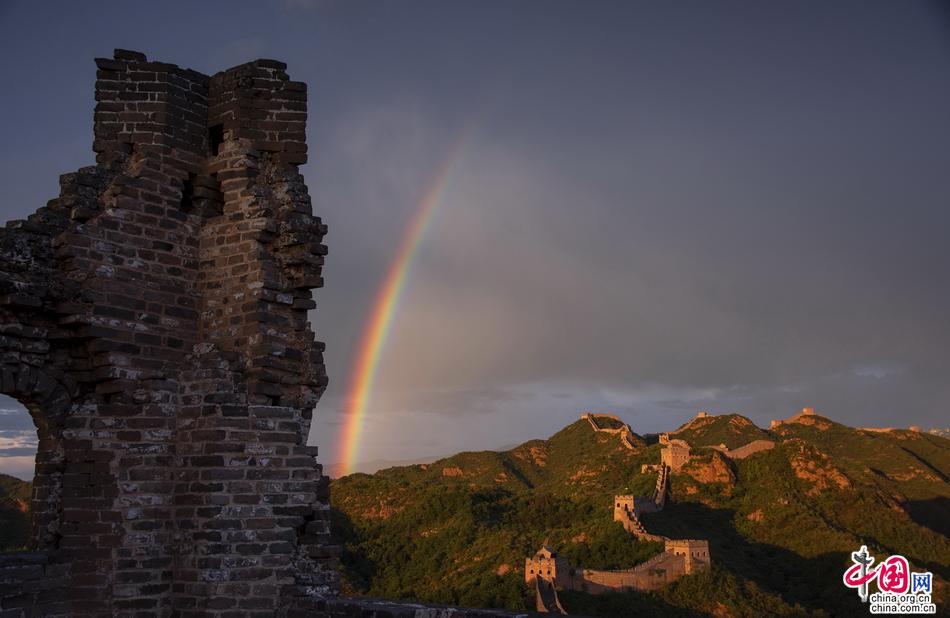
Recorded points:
(461, 402)
(662, 207)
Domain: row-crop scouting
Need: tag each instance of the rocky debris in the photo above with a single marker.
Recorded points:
(717, 469)
(452, 471)
(740, 422)
(535, 452)
(539, 455)
(583, 473)
(811, 465)
(382, 510)
(913, 473)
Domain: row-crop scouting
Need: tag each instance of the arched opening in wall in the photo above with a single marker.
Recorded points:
(34, 406)
(18, 443)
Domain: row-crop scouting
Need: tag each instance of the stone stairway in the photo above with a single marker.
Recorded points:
(633, 525)
(662, 487)
(546, 600)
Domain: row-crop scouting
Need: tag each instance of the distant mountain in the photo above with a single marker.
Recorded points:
(781, 521)
(336, 470)
(14, 513)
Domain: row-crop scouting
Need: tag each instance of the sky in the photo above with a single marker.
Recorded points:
(655, 208)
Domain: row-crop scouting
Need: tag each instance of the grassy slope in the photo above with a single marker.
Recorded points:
(778, 540)
(445, 538)
(14, 521)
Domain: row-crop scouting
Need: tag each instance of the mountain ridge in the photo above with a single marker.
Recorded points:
(457, 530)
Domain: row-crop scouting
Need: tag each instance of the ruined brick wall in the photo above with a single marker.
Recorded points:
(153, 320)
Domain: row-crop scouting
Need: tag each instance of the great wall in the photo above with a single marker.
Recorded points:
(624, 431)
(547, 571)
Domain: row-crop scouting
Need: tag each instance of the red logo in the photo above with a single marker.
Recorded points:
(894, 575)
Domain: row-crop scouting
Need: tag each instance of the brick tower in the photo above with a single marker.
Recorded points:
(153, 320)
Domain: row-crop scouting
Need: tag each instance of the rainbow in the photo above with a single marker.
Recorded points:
(378, 326)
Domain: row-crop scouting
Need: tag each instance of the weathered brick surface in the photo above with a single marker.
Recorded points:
(154, 323)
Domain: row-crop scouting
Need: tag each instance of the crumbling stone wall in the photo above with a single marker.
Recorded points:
(153, 320)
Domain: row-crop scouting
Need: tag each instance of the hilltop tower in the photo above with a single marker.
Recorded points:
(675, 452)
(622, 505)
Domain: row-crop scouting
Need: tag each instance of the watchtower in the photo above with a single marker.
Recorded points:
(547, 564)
(622, 505)
(694, 551)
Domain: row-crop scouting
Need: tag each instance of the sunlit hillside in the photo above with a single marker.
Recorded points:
(781, 522)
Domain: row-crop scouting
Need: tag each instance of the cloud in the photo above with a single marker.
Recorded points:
(309, 4)
(18, 440)
(15, 417)
(451, 402)
(15, 443)
(650, 297)
(877, 370)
